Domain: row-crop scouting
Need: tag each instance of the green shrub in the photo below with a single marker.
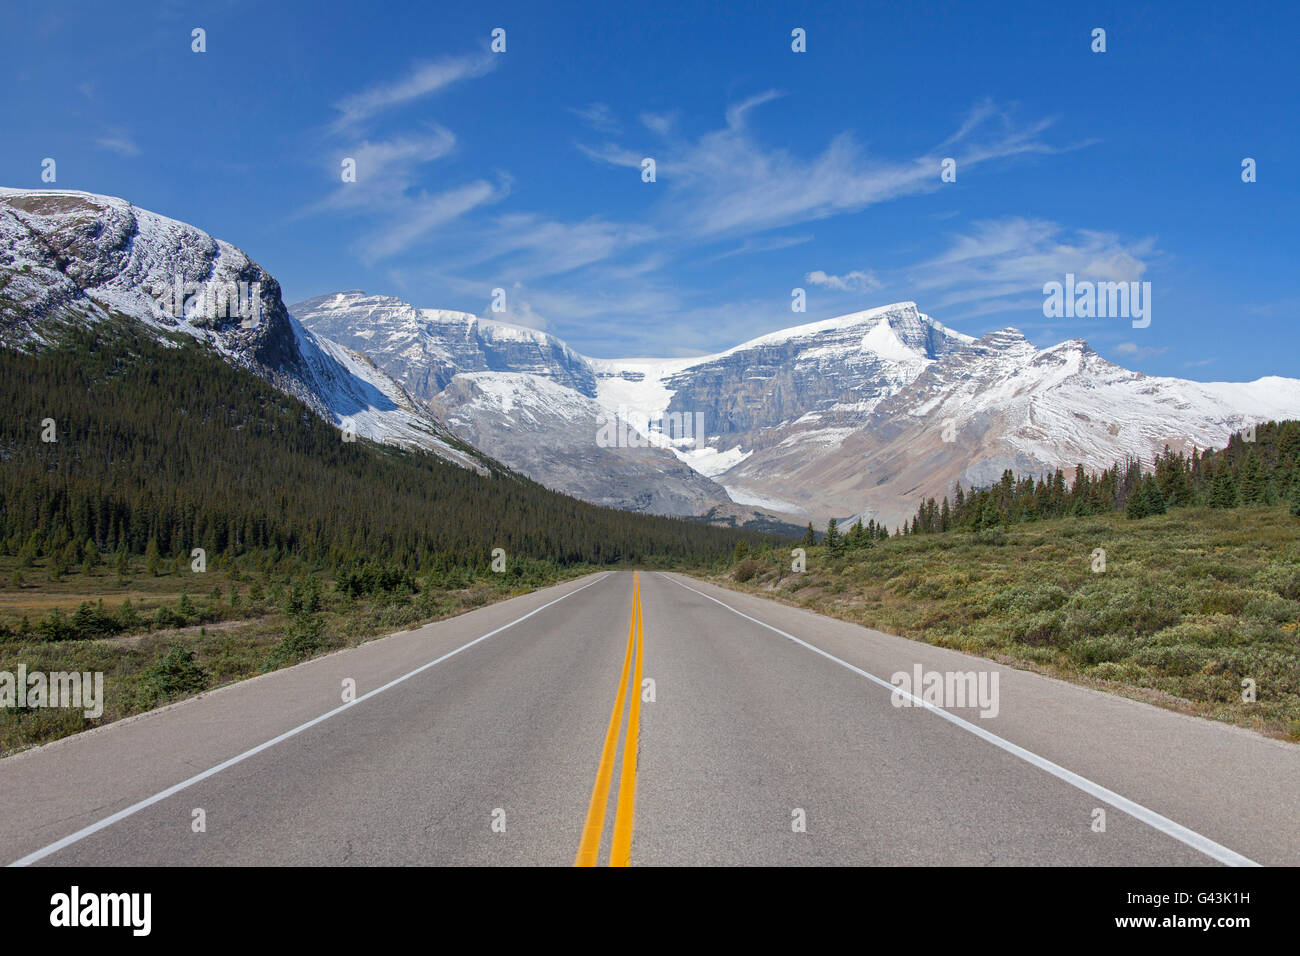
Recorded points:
(1284, 578)
(1100, 650)
(1272, 608)
(1030, 599)
(1037, 630)
(55, 627)
(175, 674)
(1117, 606)
(301, 640)
(932, 588)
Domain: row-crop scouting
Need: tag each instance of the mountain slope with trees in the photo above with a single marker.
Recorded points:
(171, 448)
(1260, 467)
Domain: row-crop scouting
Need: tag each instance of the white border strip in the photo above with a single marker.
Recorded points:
(1179, 832)
(84, 832)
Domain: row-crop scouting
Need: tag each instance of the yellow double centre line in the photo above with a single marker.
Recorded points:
(621, 850)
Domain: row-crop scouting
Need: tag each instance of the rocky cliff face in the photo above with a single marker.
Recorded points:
(71, 258)
(853, 360)
(552, 434)
(521, 396)
(424, 348)
(80, 254)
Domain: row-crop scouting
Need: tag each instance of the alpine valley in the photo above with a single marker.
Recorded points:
(865, 414)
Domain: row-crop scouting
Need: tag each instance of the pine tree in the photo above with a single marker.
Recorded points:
(152, 559)
(1223, 490)
(1251, 482)
(1155, 501)
(1146, 499)
(989, 517)
(809, 537)
(1137, 505)
(89, 557)
(834, 540)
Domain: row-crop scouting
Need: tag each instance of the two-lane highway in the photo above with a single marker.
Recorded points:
(653, 719)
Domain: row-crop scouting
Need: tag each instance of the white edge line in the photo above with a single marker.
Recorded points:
(108, 821)
(1179, 832)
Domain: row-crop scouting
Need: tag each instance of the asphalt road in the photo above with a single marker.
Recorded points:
(769, 735)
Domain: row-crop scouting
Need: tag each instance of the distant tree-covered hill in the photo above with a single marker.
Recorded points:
(165, 448)
(1259, 468)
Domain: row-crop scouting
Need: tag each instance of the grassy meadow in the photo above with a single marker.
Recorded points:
(164, 633)
(1191, 603)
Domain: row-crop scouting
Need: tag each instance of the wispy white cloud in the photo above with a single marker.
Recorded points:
(598, 116)
(1280, 307)
(725, 189)
(613, 155)
(423, 80)
(385, 169)
(661, 123)
(526, 247)
(1132, 350)
(1002, 265)
(728, 182)
(736, 112)
(424, 213)
(519, 309)
(855, 281)
(387, 189)
(118, 141)
(764, 244)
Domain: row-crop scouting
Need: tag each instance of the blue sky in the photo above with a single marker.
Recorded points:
(775, 169)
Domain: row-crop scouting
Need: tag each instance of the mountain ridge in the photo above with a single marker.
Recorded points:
(858, 414)
(846, 416)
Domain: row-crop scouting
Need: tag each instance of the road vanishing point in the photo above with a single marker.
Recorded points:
(649, 718)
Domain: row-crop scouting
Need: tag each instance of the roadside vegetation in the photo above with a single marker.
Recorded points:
(178, 524)
(1191, 603)
(168, 633)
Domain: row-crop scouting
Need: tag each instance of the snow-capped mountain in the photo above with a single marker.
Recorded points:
(521, 396)
(1000, 403)
(70, 257)
(550, 432)
(777, 398)
(864, 414)
(423, 348)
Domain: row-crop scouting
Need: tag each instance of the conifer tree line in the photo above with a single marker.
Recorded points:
(161, 450)
(1264, 471)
